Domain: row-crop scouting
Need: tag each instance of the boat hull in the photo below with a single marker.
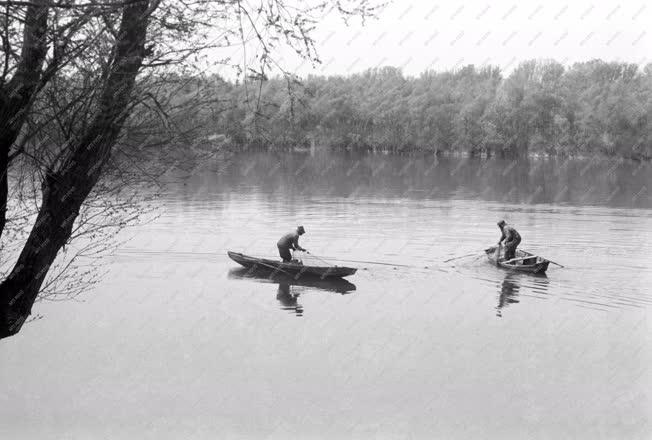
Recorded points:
(294, 269)
(530, 264)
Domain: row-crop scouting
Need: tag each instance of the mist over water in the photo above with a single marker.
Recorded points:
(178, 342)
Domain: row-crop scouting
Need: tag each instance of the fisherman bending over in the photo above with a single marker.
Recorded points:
(510, 238)
(290, 242)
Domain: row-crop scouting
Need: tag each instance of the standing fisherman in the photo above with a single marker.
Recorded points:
(510, 238)
(290, 242)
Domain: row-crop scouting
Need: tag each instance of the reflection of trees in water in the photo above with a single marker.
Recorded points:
(524, 180)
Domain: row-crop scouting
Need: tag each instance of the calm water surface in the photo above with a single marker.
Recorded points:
(177, 342)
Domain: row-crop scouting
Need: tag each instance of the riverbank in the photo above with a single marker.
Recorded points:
(541, 108)
(226, 144)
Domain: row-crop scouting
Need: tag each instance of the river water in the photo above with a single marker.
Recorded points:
(176, 342)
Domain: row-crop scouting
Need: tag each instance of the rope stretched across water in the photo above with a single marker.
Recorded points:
(220, 254)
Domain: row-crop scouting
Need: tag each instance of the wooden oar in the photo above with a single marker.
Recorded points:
(479, 256)
(518, 259)
(530, 256)
(463, 256)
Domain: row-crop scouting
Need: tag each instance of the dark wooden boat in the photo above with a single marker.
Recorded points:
(523, 261)
(294, 269)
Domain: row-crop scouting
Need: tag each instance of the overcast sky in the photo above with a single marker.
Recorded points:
(419, 35)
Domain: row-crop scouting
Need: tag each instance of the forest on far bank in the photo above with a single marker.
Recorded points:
(541, 107)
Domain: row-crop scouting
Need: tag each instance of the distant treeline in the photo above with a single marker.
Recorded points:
(541, 107)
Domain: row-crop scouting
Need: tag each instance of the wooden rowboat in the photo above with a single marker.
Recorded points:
(294, 269)
(523, 262)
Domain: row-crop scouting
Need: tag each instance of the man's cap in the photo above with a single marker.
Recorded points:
(501, 223)
(301, 230)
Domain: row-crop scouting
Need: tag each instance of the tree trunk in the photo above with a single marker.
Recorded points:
(4, 187)
(66, 188)
(17, 95)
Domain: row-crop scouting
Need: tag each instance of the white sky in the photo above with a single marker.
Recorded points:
(418, 35)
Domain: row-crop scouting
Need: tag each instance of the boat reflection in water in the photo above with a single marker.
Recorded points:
(286, 293)
(533, 285)
(288, 299)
